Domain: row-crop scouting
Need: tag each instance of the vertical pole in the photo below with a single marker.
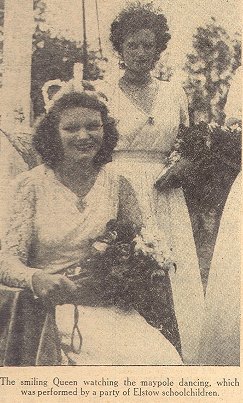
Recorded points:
(15, 102)
(98, 26)
(85, 46)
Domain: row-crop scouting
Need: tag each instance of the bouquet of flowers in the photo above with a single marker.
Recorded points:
(125, 269)
(213, 155)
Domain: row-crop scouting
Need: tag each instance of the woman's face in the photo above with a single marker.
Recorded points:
(139, 50)
(81, 132)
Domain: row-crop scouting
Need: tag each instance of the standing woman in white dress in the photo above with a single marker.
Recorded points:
(148, 114)
(220, 343)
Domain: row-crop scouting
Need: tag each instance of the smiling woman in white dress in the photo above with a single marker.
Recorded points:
(148, 114)
(55, 210)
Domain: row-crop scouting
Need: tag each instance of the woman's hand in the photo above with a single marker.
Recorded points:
(54, 288)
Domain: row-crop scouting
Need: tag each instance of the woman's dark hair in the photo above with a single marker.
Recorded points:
(47, 141)
(136, 17)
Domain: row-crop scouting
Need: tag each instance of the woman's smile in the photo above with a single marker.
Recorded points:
(83, 145)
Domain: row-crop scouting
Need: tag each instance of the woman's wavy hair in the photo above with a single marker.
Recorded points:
(136, 17)
(47, 140)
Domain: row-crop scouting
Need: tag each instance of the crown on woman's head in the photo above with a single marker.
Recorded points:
(61, 88)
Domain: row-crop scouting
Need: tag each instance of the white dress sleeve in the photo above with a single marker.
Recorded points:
(129, 210)
(18, 234)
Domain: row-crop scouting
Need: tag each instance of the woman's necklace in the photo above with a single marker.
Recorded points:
(142, 95)
(80, 185)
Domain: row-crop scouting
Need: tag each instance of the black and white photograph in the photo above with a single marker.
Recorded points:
(120, 183)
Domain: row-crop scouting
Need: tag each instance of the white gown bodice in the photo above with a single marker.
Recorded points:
(169, 109)
(47, 229)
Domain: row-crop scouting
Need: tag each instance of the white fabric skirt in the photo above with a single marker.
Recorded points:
(166, 214)
(220, 343)
(113, 337)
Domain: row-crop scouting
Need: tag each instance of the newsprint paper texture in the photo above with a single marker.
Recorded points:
(160, 322)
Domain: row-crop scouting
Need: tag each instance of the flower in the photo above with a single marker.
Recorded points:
(100, 246)
(212, 126)
(235, 127)
(174, 157)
